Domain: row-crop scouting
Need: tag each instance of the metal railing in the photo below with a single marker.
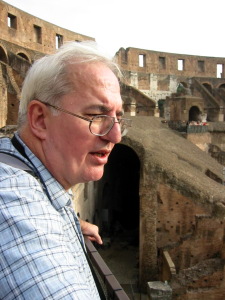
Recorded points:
(113, 289)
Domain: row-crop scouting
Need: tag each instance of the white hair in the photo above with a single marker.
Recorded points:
(47, 78)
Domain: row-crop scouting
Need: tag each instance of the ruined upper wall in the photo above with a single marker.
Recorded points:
(27, 31)
(148, 61)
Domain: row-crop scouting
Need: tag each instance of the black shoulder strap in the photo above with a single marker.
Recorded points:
(18, 146)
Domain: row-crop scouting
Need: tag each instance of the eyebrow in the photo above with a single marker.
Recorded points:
(104, 109)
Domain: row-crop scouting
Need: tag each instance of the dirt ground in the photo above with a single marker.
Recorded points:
(122, 259)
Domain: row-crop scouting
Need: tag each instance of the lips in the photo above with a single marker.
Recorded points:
(103, 155)
(99, 154)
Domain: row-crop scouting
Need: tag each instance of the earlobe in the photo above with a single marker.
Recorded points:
(37, 113)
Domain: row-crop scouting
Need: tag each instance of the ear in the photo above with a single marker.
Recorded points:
(37, 113)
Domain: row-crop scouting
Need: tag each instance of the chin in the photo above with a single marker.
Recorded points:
(95, 176)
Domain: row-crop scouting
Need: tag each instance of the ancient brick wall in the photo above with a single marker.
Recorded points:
(181, 210)
(135, 102)
(194, 240)
(152, 63)
(30, 32)
(158, 74)
(187, 229)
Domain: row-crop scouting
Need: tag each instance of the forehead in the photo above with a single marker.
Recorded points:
(95, 82)
(95, 72)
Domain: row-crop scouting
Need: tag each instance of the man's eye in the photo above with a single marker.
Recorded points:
(92, 115)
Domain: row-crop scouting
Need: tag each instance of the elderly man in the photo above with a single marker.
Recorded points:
(70, 117)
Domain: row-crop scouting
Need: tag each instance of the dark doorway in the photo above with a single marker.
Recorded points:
(194, 114)
(3, 56)
(119, 188)
(118, 201)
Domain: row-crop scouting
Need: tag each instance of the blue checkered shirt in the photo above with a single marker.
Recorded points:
(40, 253)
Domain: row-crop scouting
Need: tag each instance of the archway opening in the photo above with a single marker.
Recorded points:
(24, 56)
(119, 188)
(195, 114)
(3, 56)
(184, 84)
(118, 202)
(222, 86)
(208, 87)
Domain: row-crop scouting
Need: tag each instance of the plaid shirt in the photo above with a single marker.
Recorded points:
(40, 253)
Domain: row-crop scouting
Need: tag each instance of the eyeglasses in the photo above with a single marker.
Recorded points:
(99, 125)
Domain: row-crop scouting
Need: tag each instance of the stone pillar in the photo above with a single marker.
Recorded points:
(221, 114)
(134, 79)
(157, 290)
(148, 267)
(153, 83)
(133, 107)
(173, 84)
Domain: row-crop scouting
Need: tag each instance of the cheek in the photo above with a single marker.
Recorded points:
(76, 147)
(70, 136)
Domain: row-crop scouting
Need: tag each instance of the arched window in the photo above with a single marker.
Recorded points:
(194, 114)
(24, 56)
(222, 86)
(208, 87)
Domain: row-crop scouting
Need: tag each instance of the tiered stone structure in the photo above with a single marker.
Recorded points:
(159, 184)
(157, 74)
(163, 76)
(27, 33)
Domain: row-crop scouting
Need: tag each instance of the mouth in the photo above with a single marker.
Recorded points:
(100, 154)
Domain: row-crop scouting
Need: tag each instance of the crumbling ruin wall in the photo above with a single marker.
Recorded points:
(136, 102)
(11, 83)
(157, 74)
(194, 238)
(152, 63)
(182, 209)
(212, 141)
(30, 32)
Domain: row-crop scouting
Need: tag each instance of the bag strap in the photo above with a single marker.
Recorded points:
(13, 161)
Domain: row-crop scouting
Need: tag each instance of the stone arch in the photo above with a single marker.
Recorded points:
(195, 114)
(208, 86)
(3, 55)
(222, 86)
(24, 56)
(118, 192)
(122, 186)
(184, 84)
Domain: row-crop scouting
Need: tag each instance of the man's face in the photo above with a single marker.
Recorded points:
(73, 154)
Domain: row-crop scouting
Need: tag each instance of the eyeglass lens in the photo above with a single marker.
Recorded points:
(101, 125)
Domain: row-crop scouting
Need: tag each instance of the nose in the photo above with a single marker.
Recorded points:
(114, 135)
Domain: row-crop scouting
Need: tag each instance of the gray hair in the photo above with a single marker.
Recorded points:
(47, 78)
